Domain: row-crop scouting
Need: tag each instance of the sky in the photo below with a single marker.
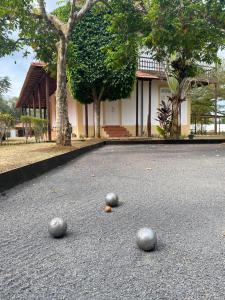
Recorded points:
(16, 66)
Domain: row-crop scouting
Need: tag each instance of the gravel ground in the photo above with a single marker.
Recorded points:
(178, 190)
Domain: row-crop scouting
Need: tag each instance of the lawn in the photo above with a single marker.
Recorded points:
(18, 154)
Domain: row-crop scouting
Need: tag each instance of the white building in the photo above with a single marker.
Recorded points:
(135, 116)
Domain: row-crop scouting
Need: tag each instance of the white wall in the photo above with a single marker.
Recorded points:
(90, 115)
(184, 112)
(53, 110)
(128, 107)
(72, 110)
(157, 93)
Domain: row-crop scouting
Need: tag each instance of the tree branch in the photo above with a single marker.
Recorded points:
(87, 6)
(72, 17)
(43, 10)
(52, 20)
(101, 93)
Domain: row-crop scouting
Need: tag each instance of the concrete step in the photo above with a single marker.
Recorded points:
(116, 131)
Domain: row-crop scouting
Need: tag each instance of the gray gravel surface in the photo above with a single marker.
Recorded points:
(178, 190)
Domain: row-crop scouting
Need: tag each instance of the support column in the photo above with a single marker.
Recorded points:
(86, 120)
(48, 109)
(137, 106)
(34, 107)
(216, 106)
(219, 124)
(142, 107)
(150, 109)
(29, 111)
(39, 101)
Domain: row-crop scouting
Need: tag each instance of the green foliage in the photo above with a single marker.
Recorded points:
(21, 16)
(202, 98)
(6, 118)
(9, 106)
(89, 70)
(161, 131)
(6, 121)
(4, 85)
(39, 127)
(187, 28)
(26, 120)
(164, 114)
(4, 106)
(124, 24)
(201, 104)
(43, 40)
(184, 34)
(14, 14)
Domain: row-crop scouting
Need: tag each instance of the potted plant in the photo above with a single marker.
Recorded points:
(191, 135)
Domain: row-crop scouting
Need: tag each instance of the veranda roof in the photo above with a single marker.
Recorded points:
(35, 78)
(147, 75)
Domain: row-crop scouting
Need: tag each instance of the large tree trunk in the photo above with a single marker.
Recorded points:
(97, 107)
(62, 120)
(175, 130)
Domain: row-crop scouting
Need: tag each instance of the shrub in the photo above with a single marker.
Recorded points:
(164, 117)
(40, 128)
(6, 121)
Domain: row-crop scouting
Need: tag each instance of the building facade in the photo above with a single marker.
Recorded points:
(135, 116)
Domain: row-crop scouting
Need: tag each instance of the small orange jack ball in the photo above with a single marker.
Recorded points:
(108, 209)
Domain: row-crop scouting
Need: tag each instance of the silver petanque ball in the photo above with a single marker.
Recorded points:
(112, 200)
(146, 239)
(57, 227)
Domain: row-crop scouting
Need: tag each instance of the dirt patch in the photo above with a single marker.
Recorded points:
(18, 155)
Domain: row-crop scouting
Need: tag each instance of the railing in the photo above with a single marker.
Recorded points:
(208, 72)
(148, 64)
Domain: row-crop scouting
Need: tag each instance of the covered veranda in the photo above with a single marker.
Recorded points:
(141, 76)
(34, 99)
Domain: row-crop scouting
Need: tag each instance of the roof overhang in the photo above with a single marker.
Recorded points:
(145, 75)
(34, 79)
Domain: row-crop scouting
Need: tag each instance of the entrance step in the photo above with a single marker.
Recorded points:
(113, 131)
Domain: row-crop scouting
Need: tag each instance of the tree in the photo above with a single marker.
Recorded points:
(22, 14)
(7, 43)
(39, 127)
(92, 75)
(201, 104)
(6, 121)
(206, 99)
(164, 117)
(187, 31)
(14, 111)
(27, 125)
(9, 106)
(4, 85)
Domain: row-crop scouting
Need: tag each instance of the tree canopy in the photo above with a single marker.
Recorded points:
(92, 75)
(88, 68)
(186, 28)
(21, 15)
(5, 85)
